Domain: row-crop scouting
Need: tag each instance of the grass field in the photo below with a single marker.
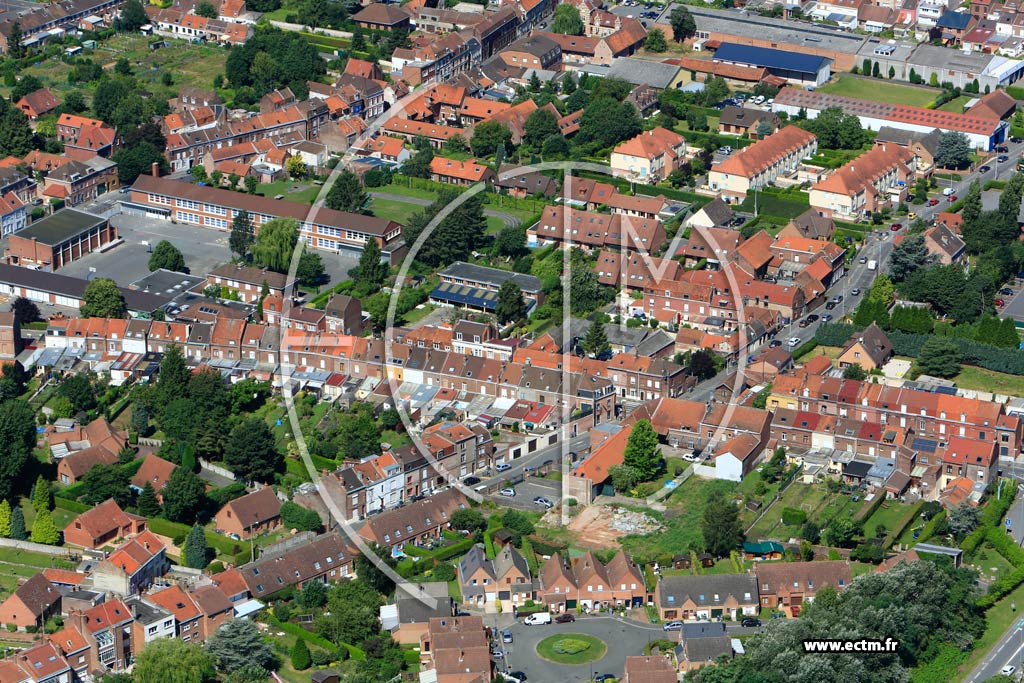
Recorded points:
(394, 210)
(595, 650)
(784, 206)
(956, 104)
(189, 64)
(16, 565)
(980, 379)
(889, 514)
(808, 498)
(304, 194)
(682, 519)
(880, 91)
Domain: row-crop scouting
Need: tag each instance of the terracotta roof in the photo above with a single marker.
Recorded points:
(154, 470)
(759, 156)
(862, 172)
(781, 577)
(104, 518)
(469, 170)
(608, 454)
(381, 13)
(255, 508)
(176, 601)
(651, 143)
(39, 102)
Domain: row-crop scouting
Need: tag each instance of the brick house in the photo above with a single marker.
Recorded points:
(251, 515)
(31, 603)
(506, 577)
(707, 596)
(102, 525)
(790, 584)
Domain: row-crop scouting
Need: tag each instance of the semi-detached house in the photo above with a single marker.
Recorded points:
(760, 164)
(879, 177)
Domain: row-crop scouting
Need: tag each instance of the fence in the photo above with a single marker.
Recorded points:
(34, 547)
(216, 469)
(302, 28)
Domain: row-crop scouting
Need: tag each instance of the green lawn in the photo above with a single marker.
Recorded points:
(305, 194)
(595, 648)
(980, 379)
(787, 206)
(880, 91)
(837, 505)
(394, 210)
(805, 497)
(956, 104)
(398, 187)
(997, 622)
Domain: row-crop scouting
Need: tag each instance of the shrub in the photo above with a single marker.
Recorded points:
(793, 517)
(570, 646)
(322, 657)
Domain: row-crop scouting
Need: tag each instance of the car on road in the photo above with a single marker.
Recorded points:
(855, 291)
(896, 226)
(948, 191)
(793, 342)
(503, 467)
(933, 202)
(691, 457)
(530, 468)
(471, 481)
(912, 216)
(1000, 149)
(1002, 158)
(838, 298)
(509, 678)
(519, 675)
(543, 502)
(1000, 302)
(497, 654)
(565, 619)
(803, 323)
(776, 343)
(826, 317)
(727, 150)
(506, 636)
(1006, 291)
(759, 99)
(984, 168)
(862, 259)
(951, 198)
(830, 305)
(508, 493)
(1008, 670)
(1016, 140)
(674, 625)
(538, 618)
(750, 622)
(601, 678)
(813, 317)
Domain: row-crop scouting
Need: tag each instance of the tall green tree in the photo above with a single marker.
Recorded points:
(310, 270)
(173, 377)
(184, 496)
(300, 656)
(138, 160)
(488, 136)
(940, 357)
(971, 209)
(44, 530)
(567, 20)
(103, 482)
(18, 531)
(195, 551)
(251, 452)
(103, 299)
(174, 661)
(15, 42)
(167, 256)
(371, 269)
(5, 519)
(239, 643)
(540, 125)
(655, 41)
(510, 306)
(133, 17)
(720, 526)
(243, 234)
(907, 257)
(642, 452)
(607, 121)
(954, 150)
(275, 243)
(140, 419)
(595, 341)
(41, 496)
(17, 439)
(347, 194)
(79, 390)
(25, 310)
(683, 24)
(148, 505)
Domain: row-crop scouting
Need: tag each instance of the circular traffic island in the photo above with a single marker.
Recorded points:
(572, 648)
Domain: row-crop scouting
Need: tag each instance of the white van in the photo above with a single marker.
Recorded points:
(538, 619)
(948, 191)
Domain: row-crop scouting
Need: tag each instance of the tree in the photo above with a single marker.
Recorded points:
(371, 269)
(275, 243)
(184, 496)
(696, 120)
(939, 356)
(195, 550)
(207, 9)
(239, 643)
(840, 531)
(137, 160)
(585, 292)
(5, 519)
(468, 519)
(510, 241)
(313, 595)
(883, 290)
(347, 194)
(147, 504)
(595, 341)
(963, 519)
(352, 607)
(655, 41)
(488, 136)
(763, 128)
(198, 173)
(907, 257)
(373, 576)
(15, 133)
(567, 21)
(702, 364)
(15, 42)
(133, 17)
(954, 150)
(510, 306)
(300, 655)
(683, 24)
(418, 165)
(26, 84)
(44, 530)
(243, 234)
(17, 439)
(78, 389)
(518, 523)
(216, 177)
(854, 371)
(103, 482)
(310, 271)
(165, 255)
(25, 310)
(720, 526)
(555, 148)
(251, 183)
(174, 661)
(624, 478)
(607, 121)
(41, 497)
(456, 144)
(103, 299)
(642, 452)
(18, 531)
(540, 125)
(251, 452)
(836, 129)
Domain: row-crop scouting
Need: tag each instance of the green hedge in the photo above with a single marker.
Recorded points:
(896, 534)
(70, 505)
(299, 632)
(222, 544)
(804, 348)
(929, 529)
(1005, 546)
(873, 508)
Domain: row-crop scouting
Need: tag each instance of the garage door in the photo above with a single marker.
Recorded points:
(36, 295)
(68, 301)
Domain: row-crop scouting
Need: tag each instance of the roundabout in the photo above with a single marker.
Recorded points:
(572, 648)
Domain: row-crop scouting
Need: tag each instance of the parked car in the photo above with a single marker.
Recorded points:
(826, 317)
(838, 298)
(1016, 140)
(1008, 670)
(912, 216)
(1002, 149)
(813, 317)
(933, 202)
(793, 342)
(895, 226)
(516, 675)
(471, 481)
(503, 467)
(601, 678)
(537, 619)
(565, 619)
(1006, 291)
(855, 291)
(529, 469)
(951, 198)
(508, 493)
(776, 343)
(543, 502)
(750, 622)
(1000, 302)
(674, 625)
(506, 636)
(862, 259)
(1002, 158)
(984, 168)
(497, 654)
(803, 323)
(830, 305)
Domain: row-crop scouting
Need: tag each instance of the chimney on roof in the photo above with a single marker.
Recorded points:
(155, 170)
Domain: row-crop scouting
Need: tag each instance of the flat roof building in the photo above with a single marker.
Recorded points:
(59, 239)
(795, 67)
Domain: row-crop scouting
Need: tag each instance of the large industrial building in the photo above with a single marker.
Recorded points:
(794, 67)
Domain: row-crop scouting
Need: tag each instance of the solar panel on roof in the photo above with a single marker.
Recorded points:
(920, 444)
